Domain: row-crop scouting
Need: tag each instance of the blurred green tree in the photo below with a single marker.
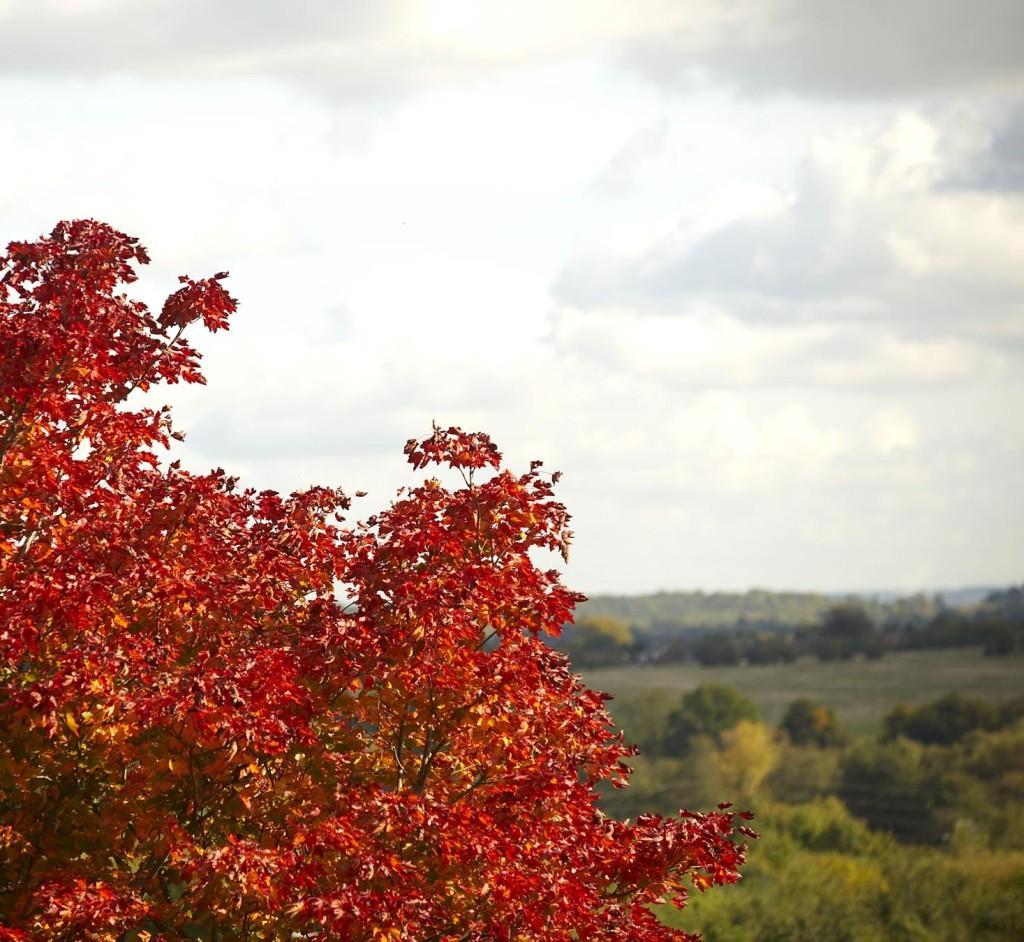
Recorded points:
(807, 723)
(709, 710)
(597, 641)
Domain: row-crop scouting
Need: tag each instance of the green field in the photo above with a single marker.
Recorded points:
(861, 692)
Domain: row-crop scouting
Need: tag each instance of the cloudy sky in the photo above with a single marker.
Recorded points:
(750, 273)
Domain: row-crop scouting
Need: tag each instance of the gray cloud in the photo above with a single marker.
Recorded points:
(819, 48)
(341, 47)
(870, 232)
(839, 48)
(999, 167)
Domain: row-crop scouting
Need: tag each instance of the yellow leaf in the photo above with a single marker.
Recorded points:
(69, 718)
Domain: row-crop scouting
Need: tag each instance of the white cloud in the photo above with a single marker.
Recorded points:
(746, 449)
(760, 367)
(894, 430)
(837, 48)
(868, 232)
(340, 48)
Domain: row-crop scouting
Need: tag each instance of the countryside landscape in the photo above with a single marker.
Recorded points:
(511, 471)
(888, 782)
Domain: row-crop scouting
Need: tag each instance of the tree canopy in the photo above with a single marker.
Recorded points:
(807, 723)
(199, 739)
(709, 711)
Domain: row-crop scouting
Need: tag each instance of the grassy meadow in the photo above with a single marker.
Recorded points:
(860, 691)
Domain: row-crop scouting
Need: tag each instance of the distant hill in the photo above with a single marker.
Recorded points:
(961, 597)
(1005, 603)
(970, 596)
(669, 613)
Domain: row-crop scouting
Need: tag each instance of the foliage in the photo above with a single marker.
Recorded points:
(902, 787)
(847, 630)
(663, 613)
(969, 793)
(709, 711)
(809, 896)
(199, 741)
(596, 641)
(645, 714)
(745, 757)
(765, 627)
(942, 721)
(950, 628)
(860, 691)
(807, 723)
(723, 648)
(847, 622)
(997, 758)
(803, 773)
(997, 624)
(771, 649)
(864, 840)
(717, 649)
(660, 785)
(822, 874)
(1005, 603)
(824, 824)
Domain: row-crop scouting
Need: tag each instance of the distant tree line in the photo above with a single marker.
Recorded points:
(668, 614)
(997, 624)
(840, 632)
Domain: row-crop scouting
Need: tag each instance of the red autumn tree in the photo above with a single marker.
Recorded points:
(198, 741)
